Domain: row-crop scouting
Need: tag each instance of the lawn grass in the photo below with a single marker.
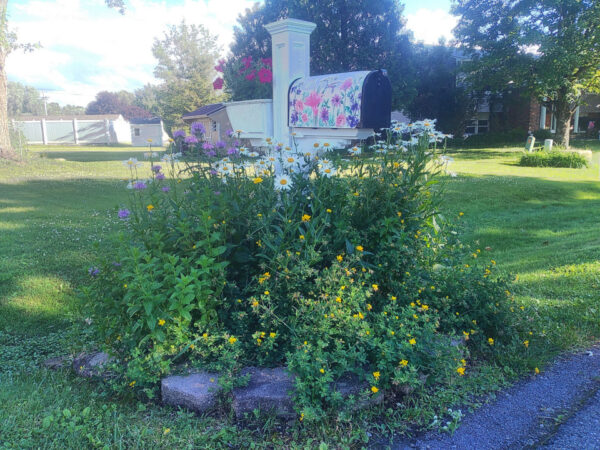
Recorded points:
(540, 225)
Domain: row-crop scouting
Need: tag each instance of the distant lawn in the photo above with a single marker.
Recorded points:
(541, 225)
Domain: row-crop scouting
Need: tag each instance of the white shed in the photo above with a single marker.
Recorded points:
(144, 129)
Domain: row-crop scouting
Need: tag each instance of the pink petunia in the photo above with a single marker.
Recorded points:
(304, 118)
(247, 61)
(251, 76)
(346, 84)
(218, 84)
(299, 105)
(340, 120)
(267, 61)
(265, 75)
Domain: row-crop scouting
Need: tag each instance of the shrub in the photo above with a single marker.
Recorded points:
(555, 158)
(335, 264)
(516, 137)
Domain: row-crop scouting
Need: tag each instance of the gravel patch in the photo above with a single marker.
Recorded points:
(580, 431)
(518, 417)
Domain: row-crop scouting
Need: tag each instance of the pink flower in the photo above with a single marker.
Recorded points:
(251, 76)
(265, 75)
(266, 61)
(219, 67)
(299, 105)
(218, 84)
(340, 120)
(304, 118)
(346, 84)
(313, 100)
(247, 61)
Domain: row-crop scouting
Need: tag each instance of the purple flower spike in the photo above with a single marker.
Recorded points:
(237, 143)
(197, 128)
(210, 153)
(232, 151)
(165, 188)
(191, 139)
(139, 185)
(220, 144)
(156, 168)
(160, 176)
(229, 133)
(207, 146)
(178, 134)
(93, 271)
(124, 213)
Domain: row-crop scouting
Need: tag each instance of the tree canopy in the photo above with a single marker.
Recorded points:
(186, 55)
(549, 48)
(121, 102)
(350, 35)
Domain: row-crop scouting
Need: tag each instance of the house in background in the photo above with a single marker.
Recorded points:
(144, 129)
(214, 118)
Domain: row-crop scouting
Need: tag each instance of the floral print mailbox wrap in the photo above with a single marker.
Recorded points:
(326, 101)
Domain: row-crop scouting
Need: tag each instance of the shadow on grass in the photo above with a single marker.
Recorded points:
(46, 248)
(94, 155)
(472, 154)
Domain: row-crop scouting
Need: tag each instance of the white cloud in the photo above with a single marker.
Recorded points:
(88, 48)
(428, 25)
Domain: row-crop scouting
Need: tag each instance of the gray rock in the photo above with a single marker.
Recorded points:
(92, 364)
(197, 392)
(350, 385)
(59, 362)
(269, 390)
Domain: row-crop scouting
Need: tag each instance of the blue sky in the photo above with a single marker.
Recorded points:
(87, 47)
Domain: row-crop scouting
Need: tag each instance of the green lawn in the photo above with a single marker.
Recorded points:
(541, 226)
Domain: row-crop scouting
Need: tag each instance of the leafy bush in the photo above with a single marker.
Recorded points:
(555, 158)
(335, 264)
(516, 137)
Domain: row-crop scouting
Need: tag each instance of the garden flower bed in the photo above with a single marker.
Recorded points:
(333, 264)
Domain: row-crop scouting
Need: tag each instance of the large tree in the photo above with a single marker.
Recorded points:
(350, 35)
(549, 48)
(121, 102)
(186, 55)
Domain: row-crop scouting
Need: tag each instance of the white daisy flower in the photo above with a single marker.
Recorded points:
(132, 163)
(282, 183)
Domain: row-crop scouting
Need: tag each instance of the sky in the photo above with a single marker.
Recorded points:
(87, 48)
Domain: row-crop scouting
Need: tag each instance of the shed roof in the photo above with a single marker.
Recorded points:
(205, 110)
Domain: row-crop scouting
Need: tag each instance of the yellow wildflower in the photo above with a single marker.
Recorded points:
(232, 340)
(161, 322)
(374, 389)
(167, 431)
(322, 370)
(376, 375)
(272, 335)
(375, 287)
(338, 299)
(537, 371)
(328, 210)
(305, 218)
(301, 237)
(132, 384)
(257, 180)
(526, 344)
(404, 363)
(150, 207)
(461, 371)
(490, 341)
(413, 341)
(359, 248)
(369, 306)
(340, 258)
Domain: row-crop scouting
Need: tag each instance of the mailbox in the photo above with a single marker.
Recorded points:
(351, 100)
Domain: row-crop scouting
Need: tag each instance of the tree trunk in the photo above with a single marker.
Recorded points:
(6, 150)
(564, 114)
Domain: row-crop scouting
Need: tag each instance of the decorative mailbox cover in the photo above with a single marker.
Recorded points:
(341, 100)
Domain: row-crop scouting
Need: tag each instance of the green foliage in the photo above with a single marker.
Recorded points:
(333, 272)
(555, 158)
(564, 34)
(337, 44)
(186, 56)
(516, 137)
(438, 94)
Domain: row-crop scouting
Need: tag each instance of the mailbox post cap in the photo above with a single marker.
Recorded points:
(297, 25)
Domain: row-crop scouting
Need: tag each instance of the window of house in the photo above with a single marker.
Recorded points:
(482, 126)
(214, 125)
(136, 131)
